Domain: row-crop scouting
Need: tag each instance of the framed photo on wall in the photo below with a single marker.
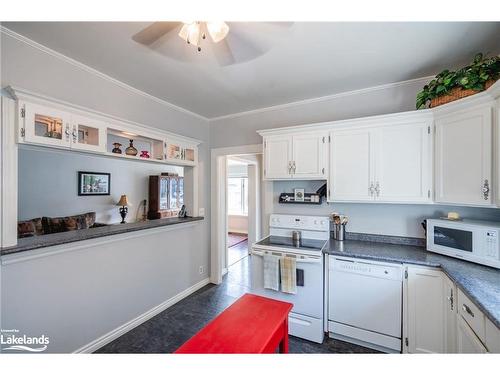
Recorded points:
(94, 183)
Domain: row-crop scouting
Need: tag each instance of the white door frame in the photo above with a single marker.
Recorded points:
(218, 203)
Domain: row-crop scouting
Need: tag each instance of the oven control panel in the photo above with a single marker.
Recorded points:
(315, 223)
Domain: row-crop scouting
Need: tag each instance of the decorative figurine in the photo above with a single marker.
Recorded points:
(117, 149)
(144, 154)
(131, 150)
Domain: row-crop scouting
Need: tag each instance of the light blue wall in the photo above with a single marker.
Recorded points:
(376, 218)
(48, 183)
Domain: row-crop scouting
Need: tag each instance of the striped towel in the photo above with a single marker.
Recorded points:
(288, 275)
(271, 272)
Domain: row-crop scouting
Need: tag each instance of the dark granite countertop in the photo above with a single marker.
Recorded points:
(480, 283)
(37, 242)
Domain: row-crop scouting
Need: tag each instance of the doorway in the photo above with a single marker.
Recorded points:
(238, 211)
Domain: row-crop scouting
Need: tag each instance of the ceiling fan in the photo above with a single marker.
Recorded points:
(231, 43)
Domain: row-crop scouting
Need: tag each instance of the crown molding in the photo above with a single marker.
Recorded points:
(78, 64)
(322, 98)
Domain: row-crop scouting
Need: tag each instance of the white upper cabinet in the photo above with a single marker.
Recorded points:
(463, 162)
(277, 157)
(43, 125)
(309, 156)
(389, 163)
(403, 166)
(351, 165)
(88, 134)
(295, 156)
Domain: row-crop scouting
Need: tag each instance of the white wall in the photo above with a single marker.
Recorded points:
(401, 220)
(237, 224)
(80, 295)
(48, 184)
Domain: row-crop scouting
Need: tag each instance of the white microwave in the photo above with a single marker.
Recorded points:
(474, 241)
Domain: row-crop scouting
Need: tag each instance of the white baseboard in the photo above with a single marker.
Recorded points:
(117, 332)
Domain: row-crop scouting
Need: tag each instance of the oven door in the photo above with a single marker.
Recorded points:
(309, 298)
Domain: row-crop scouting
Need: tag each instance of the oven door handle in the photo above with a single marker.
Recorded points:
(298, 258)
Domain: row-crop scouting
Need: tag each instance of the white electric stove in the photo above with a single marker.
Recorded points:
(306, 318)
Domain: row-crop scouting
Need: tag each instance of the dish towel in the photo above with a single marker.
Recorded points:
(288, 275)
(271, 272)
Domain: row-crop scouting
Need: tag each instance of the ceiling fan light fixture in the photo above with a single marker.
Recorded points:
(190, 32)
(218, 30)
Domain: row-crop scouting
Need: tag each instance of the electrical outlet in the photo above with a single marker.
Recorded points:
(201, 270)
(201, 212)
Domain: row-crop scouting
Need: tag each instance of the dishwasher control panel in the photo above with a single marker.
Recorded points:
(369, 269)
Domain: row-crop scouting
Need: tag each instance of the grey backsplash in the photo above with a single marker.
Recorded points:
(376, 218)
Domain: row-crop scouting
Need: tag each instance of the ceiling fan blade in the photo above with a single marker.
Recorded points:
(222, 53)
(154, 31)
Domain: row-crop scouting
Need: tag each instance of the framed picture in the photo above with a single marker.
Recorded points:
(298, 194)
(94, 183)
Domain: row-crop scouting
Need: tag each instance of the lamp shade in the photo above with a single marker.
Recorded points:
(123, 201)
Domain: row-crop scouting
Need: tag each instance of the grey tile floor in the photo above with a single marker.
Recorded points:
(165, 332)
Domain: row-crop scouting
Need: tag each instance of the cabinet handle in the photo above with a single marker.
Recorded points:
(486, 190)
(467, 310)
(377, 189)
(289, 167)
(74, 134)
(294, 167)
(67, 131)
(323, 170)
(371, 189)
(450, 298)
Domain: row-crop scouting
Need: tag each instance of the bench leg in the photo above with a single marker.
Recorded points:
(284, 340)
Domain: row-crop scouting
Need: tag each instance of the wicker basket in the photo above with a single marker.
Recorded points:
(457, 93)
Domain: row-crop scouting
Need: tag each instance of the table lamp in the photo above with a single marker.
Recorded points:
(123, 202)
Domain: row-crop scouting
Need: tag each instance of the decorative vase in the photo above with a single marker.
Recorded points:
(117, 149)
(144, 154)
(131, 150)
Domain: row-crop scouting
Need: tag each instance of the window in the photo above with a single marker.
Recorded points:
(237, 195)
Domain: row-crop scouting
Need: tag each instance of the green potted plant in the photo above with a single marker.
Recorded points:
(448, 85)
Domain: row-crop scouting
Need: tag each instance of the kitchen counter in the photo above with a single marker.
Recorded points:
(480, 283)
(37, 242)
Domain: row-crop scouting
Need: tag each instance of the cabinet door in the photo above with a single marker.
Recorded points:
(425, 307)
(403, 167)
(45, 125)
(351, 165)
(277, 157)
(467, 341)
(464, 157)
(450, 315)
(88, 134)
(308, 156)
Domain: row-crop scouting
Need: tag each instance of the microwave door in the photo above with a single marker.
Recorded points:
(453, 239)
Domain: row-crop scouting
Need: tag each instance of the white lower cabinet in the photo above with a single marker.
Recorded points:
(450, 315)
(425, 311)
(467, 341)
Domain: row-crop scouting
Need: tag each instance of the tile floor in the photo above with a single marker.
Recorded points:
(237, 252)
(165, 332)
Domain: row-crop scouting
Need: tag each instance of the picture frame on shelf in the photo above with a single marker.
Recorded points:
(94, 183)
(299, 194)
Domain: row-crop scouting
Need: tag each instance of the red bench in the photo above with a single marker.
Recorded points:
(253, 324)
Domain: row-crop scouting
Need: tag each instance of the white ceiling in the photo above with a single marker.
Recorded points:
(299, 61)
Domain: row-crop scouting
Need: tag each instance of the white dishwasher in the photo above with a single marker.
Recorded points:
(365, 302)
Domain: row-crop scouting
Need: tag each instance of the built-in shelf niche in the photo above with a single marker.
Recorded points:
(153, 146)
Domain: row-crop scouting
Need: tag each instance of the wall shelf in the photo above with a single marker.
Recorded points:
(288, 198)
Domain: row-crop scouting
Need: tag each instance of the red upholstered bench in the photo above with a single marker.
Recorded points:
(253, 324)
